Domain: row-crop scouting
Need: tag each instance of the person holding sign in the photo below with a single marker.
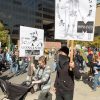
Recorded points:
(42, 78)
(66, 71)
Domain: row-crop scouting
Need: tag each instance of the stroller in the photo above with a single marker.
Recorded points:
(15, 91)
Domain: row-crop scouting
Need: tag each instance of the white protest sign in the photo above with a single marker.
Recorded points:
(75, 19)
(31, 41)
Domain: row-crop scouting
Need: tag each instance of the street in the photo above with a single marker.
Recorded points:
(46, 40)
(82, 90)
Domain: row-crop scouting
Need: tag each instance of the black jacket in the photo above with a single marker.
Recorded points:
(64, 77)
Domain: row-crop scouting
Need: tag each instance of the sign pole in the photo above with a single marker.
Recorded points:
(71, 52)
(32, 60)
(68, 41)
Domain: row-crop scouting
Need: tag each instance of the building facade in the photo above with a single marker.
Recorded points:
(31, 13)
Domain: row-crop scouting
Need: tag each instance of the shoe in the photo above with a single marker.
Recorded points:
(94, 89)
(32, 90)
(81, 78)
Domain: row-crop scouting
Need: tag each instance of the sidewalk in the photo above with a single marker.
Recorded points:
(82, 90)
(19, 79)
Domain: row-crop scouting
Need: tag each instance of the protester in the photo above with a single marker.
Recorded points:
(96, 81)
(23, 64)
(15, 65)
(42, 78)
(66, 70)
(79, 60)
(90, 61)
(1, 63)
(55, 60)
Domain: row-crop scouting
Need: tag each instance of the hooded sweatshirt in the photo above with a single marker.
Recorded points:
(65, 78)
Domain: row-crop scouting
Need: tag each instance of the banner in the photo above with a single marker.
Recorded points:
(75, 19)
(31, 41)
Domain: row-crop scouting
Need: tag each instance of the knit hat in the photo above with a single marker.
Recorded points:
(64, 49)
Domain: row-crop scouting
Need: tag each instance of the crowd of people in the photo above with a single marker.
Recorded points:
(88, 63)
(11, 60)
(66, 71)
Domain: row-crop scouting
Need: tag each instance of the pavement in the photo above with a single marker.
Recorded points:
(82, 90)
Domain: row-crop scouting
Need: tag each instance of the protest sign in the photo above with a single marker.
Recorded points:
(31, 41)
(75, 19)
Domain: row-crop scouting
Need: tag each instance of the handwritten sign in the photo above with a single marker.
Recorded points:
(31, 41)
(75, 19)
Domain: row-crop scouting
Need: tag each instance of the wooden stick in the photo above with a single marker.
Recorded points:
(72, 51)
(68, 41)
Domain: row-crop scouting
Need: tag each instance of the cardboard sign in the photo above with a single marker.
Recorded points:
(31, 41)
(75, 19)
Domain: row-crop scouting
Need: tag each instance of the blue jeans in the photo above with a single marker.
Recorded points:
(11, 66)
(96, 80)
(24, 65)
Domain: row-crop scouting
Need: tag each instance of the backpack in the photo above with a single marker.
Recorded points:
(80, 59)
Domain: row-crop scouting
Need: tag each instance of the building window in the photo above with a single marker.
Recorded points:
(38, 21)
(48, 16)
(17, 2)
(37, 26)
(38, 14)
